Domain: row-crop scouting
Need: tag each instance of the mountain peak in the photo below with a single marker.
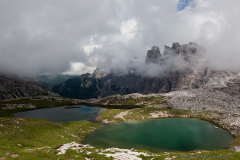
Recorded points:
(153, 55)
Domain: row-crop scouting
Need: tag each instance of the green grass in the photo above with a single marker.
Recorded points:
(137, 113)
(109, 114)
(141, 101)
(24, 136)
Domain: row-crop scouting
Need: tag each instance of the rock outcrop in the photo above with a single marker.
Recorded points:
(12, 88)
(223, 101)
(15, 106)
(153, 55)
(88, 86)
(187, 71)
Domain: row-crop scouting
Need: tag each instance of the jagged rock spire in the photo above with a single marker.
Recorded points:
(175, 47)
(184, 50)
(167, 50)
(153, 55)
(172, 50)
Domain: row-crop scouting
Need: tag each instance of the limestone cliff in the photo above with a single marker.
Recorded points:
(153, 55)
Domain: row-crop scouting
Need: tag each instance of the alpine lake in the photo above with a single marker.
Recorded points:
(155, 135)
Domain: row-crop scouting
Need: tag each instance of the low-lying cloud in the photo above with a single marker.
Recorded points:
(76, 36)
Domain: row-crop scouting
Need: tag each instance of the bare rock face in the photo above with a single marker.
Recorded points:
(168, 51)
(175, 47)
(12, 88)
(153, 55)
(14, 106)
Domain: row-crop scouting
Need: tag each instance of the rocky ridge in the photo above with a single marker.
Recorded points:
(116, 153)
(14, 106)
(13, 88)
(153, 55)
(225, 101)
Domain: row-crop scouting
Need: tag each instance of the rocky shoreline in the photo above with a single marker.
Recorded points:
(224, 108)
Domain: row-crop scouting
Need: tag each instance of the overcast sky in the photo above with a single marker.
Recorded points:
(76, 36)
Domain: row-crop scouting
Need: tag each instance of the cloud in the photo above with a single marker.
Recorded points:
(79, 68)
(44, 36)
(212, 24)
(57, 36)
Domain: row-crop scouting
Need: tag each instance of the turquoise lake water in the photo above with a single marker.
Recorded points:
(171, 134)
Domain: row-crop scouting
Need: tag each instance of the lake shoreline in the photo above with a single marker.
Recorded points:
(202, 117)
(115, 137)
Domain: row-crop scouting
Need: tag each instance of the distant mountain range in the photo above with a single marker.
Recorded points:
(187, 69)
(49, 80)
(15, 87)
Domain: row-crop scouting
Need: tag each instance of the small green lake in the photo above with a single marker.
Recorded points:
(155, 135)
